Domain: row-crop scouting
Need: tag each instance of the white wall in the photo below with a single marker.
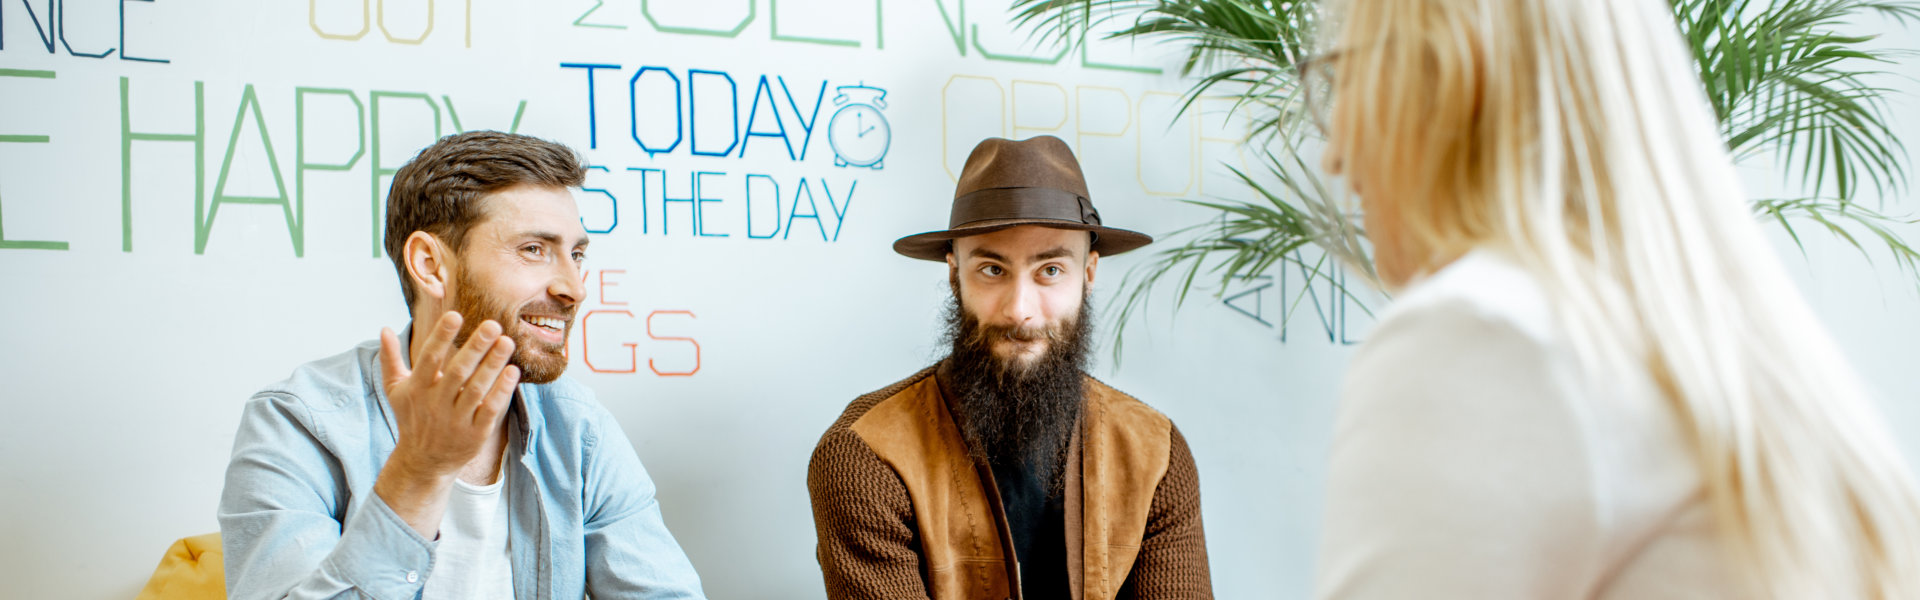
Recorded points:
(125, 370)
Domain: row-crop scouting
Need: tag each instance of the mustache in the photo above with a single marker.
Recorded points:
(549, 309)
(984, 332)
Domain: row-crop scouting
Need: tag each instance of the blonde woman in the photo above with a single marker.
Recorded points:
(1596, 380)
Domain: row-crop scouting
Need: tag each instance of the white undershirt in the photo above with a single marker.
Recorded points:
(473, 561)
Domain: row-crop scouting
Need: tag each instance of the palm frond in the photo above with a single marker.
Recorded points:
(1780, 77)
(1841, 220)
(1290, 210)
(1782, 80)
(1246, 49)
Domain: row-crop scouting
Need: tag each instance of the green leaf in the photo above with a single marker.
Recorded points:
(1780, 76)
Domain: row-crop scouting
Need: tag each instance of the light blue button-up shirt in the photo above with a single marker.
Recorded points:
(299, 518)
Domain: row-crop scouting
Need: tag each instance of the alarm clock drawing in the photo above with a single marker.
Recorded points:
(857, 131)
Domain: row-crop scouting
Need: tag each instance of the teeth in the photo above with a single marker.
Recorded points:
(546, 322)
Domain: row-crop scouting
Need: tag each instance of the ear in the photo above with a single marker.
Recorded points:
(1093, 264)
(430, 263)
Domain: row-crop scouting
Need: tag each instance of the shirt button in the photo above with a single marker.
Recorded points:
(413, 576)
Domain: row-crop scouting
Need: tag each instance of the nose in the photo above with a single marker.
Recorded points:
(1023, 309)
(568, 284)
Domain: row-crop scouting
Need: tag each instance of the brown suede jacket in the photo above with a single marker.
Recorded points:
(901, 511)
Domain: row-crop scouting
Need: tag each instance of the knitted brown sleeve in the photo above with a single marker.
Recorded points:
(1173, 553)
(869, 547)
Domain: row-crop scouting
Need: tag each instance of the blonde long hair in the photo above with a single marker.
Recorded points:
(1574, 135)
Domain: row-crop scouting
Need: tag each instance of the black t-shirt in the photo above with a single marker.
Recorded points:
(1038, 524)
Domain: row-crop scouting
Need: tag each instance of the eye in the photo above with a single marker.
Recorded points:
(534, 250)
(1053, 271)
(992, 270)
(579, 256)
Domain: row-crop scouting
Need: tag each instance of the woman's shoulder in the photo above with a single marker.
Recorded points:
(1482, 311)
(1478, 337)
(1482, 289)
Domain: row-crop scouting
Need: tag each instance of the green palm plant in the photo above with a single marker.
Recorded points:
(1782, 81)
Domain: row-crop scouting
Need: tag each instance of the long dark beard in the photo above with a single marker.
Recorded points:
(1012, 413)
(539, 361)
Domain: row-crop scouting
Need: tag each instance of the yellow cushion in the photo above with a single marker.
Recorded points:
(191, 570)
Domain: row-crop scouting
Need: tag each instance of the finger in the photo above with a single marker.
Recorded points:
(392, 367)
(481, 382)
(495, 402)
(439, 340)
(458, 367)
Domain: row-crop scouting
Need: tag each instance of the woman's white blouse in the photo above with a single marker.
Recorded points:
(1476, 457)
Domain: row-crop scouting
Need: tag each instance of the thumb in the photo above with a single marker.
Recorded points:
(392, 367)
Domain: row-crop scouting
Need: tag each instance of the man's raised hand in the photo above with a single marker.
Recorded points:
(447, 405)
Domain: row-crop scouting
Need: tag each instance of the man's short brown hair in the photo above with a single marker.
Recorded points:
(440, 191)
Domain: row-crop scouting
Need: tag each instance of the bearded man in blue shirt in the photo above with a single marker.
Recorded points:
(453, 460)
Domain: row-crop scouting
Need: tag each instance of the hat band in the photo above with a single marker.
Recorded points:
(1022, 203)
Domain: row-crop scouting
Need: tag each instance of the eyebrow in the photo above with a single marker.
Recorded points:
(986, 254)
(1055, 252)
(555, 238)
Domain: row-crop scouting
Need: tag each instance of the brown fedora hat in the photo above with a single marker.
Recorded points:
(1008, 184)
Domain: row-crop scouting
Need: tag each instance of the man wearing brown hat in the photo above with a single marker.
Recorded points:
(1005, 471)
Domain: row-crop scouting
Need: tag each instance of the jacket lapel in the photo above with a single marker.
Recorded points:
(1123, 456)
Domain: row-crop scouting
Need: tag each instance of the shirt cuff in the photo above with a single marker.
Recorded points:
(380, 554)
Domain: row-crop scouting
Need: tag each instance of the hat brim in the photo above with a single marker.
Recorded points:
(934, 245)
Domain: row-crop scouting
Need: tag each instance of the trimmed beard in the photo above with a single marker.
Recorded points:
(539, 362)
(1014, 413)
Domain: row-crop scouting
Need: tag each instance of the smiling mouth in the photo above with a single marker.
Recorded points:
(554, 324)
